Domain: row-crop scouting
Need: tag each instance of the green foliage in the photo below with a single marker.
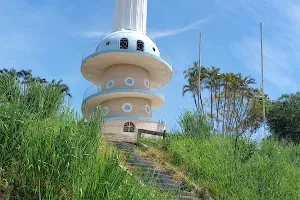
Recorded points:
(283, 118)
(232, 167)
(232, 104)
(25, 77)
(271, 171)
(193, 123)
(47, 152)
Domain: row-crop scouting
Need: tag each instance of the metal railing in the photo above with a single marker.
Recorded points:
(157, 133)
(132, 47)
(121, 84)
(91, 91)
(149, 35)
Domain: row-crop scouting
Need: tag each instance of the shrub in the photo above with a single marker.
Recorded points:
(193, 123)
(284, 118)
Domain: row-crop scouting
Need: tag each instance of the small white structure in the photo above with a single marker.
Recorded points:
(127, 68)
(130, 15)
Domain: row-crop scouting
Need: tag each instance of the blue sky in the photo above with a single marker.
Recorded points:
(50, 38)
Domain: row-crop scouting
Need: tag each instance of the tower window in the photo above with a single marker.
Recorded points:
(124, 43)
(128, 127)
(140, 45)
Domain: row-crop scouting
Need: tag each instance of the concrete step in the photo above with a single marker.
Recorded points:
(148, 172)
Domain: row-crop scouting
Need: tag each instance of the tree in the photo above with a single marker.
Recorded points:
(42, 98)
(25, 77)
(211, 84)
(283, 117)
(231, 100)
(192, 76)
(227, 79)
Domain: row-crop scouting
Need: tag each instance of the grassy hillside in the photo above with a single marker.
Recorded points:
(268, 171)
(46, 152)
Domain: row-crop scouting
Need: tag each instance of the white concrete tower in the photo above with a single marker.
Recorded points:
(126, 69)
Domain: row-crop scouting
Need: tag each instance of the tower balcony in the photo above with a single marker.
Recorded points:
(127, 47)
(94, 97)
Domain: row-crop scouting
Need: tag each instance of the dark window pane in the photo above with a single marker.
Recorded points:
(140, 45)
(124, 43)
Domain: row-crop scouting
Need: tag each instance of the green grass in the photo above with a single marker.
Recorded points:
(269, 170)
(272, 172)
(48, 152)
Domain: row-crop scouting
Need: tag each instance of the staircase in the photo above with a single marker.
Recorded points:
(147, 169)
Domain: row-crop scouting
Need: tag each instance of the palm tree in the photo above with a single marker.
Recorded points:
(220, 83)
(191, 87)
(226, 81)
(64, 87)
(25, 77)
(192, 76)
(210, 83)
(202, 80)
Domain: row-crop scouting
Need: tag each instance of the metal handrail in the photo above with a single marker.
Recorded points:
(96, 91)
(91, 91)
(150, 35)
(120, 84)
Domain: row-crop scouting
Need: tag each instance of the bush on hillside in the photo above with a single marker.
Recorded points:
(47, 152)
(193, 123)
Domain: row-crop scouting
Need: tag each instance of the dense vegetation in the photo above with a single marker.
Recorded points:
(230, 169)
(284, 117)
(47, 152)
(271, 171)
(215, 146)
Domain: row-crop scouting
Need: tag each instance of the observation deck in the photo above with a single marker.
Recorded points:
(127, 47)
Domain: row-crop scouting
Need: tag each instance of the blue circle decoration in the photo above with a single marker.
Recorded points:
(148, 109)
(146, 82)
(105, 111)
(129, 81)
(127, 107)
(110, 84)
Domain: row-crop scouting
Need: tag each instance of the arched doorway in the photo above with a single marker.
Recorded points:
(128, 127)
